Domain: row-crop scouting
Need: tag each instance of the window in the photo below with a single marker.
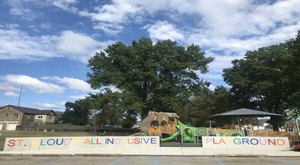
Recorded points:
(16, 116)
(40, 117)
(6, 115)
(49, 117)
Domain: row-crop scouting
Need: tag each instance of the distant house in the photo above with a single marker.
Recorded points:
(13, 117)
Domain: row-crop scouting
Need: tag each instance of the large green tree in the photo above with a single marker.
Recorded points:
(294, 72)
(157, 76)
(260, 79)
(268, 78)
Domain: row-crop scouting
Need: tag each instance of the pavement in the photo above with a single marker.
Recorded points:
(151, 151)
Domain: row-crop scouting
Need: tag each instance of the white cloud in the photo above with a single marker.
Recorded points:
(163, 30)
(31, 83)
(79, 46)
(229, 28)
(109, 28)
(78, 97)
(113, 89)
(18, 8)
(72, 83)
(50, 106)
(220, 62)
(16, 44)
(111, 17)
(11, 94)
(5, 86)
(218, 19)
(76, 45)
(66, 5)
(221, 27)
(212, 87)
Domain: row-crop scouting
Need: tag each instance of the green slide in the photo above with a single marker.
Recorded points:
(170, 137)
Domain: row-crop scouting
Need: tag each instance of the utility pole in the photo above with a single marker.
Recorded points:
(20, 95)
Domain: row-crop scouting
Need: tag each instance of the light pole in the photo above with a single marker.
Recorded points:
(20, 95)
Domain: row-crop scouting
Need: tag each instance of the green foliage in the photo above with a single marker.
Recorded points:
(267, 78)
(199, 110)
(260, 80)
(114, 109)
(293, 72)
(77, 112)
(222, 100)
(102, 109)
(58, 116)
(160, 77)
(202, 106)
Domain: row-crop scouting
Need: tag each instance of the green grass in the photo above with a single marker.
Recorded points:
(64, 127)
(5, 134)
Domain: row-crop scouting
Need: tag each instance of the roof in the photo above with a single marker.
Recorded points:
(246, 112)
(33, 111)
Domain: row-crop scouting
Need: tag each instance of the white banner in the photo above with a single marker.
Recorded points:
(276, 143)
(46, 143)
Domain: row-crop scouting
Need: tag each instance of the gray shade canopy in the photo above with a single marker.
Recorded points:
(245, 112)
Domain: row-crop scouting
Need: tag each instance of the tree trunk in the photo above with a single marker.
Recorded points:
(275, 121)
(144, 113)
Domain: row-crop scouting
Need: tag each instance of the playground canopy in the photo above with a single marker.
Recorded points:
(246, 112)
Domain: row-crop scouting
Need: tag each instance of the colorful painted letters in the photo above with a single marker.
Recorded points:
(57, 142)
(246, 142)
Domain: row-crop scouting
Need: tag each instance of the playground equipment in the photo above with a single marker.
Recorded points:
(168, 127)
(293, 114)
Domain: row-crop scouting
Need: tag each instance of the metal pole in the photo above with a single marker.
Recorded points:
(20, 95)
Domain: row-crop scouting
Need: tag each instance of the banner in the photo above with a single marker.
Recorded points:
(46, 143)
(277, 143)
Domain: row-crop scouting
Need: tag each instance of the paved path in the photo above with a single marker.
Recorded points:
(162, 151)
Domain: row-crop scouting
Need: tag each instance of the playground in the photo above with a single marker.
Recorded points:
(162, 133)
(168, 127)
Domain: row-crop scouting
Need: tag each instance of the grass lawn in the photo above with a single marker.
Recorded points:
(5, 134)
(64, 127)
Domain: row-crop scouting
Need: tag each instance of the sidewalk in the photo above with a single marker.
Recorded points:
(162, 151)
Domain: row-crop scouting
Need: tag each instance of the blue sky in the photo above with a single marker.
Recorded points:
(45, 44)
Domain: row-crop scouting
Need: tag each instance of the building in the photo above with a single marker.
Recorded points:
(13, 117)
